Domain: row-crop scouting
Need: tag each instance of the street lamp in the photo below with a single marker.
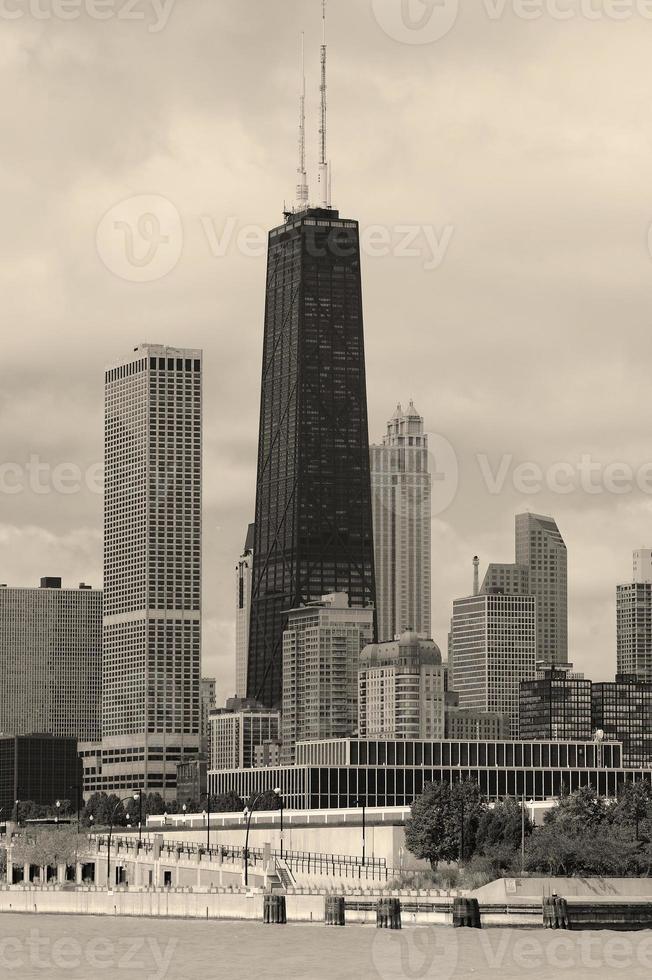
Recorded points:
(139, 796)
(108, 849)
(58, 806)
(249, 812)
(76, 791)
(278, 793)
(363, 804)
(207, 812)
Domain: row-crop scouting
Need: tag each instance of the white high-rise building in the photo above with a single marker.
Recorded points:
(51, 660)
(152, 570)
(402, 690)
(321, 657)
(243, 573)
(634, 620)
(540, 547)
(401, 492)
(492, 649)
(540, 570)
(643, 565)
(239, 730)
(208, 703)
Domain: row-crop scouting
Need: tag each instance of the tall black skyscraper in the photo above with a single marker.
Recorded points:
(313, 499)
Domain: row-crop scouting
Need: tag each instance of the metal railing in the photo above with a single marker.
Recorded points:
(301, 862)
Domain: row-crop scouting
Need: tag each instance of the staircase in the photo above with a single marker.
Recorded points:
(281, 878)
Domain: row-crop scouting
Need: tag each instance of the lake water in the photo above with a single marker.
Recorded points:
(85, 948)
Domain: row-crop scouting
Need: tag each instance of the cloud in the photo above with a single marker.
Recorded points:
(531, 339)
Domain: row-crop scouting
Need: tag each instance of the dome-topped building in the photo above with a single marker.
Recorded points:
(402, 689)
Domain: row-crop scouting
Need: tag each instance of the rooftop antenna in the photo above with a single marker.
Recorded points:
(324, 168)
(303, 191)
(476, 576)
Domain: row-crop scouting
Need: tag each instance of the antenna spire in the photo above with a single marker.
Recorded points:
(324, 167)
(303, 191)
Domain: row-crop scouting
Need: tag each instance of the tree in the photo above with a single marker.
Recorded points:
(582, 809)
(48, 847)
(227, 803)
(444, 822)
(634, 806)
(153, 804)
(269, 801)
(105, 809)
(501, 828)
(605, 850)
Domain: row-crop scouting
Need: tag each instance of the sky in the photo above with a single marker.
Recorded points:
(497, 154)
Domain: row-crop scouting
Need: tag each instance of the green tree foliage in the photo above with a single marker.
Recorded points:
(444, 822)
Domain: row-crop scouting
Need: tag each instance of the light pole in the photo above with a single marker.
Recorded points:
(58, 806)
(363, 804)
(207, 797)
(139, 795)
(77, 791)
(108, 849)
(278, 793)
(249, 812)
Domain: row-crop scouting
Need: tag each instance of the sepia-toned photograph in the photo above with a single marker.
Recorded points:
(326, 489)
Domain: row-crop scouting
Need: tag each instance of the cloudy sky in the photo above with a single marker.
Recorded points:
(500, 168)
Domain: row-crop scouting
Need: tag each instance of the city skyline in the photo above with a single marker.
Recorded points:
(465, 373)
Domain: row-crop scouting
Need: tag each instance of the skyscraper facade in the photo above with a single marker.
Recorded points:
(313, 526)
(401, 489)
(555, 705)
(634, 620)
(492, 649)
(243, 572)
(152, 569)
(402, 689)
(622, 711)
(541, 549)
(321, 657)
(208, 702)
(51, 660)
(238, 730)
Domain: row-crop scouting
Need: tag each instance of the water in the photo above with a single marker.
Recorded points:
(85, 948)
